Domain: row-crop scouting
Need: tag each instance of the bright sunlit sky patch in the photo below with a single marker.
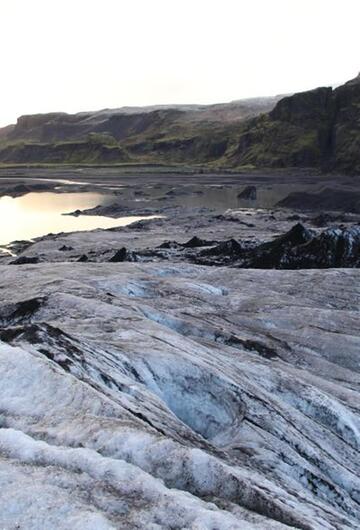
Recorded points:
(74, 55)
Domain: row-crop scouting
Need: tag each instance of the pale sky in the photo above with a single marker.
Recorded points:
(75, 55)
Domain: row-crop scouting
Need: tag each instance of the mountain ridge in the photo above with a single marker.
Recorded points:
(319, 128)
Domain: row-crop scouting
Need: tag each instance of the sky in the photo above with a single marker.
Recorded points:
(76, 55)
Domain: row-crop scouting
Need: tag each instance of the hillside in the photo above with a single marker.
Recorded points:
(319, 128)
(175, 133)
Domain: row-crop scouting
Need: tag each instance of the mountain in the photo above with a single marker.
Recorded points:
(128, 122)
(319, 128)
(174, 133)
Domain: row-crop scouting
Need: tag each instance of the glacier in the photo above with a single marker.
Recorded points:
(178, 396)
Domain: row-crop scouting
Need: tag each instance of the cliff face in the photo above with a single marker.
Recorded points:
(346, 129)
(128, 122)
(318, 128)
(65, 152)
(170, 134)
(58, 127)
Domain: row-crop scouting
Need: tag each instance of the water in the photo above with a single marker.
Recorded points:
(216, 197)
(221, 198)
(40, 213)
(37, 214)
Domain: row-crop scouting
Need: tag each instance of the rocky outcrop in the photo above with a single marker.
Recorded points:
(25, 260)
(299, 248)
(303, 249)
(335, 247)
(319, 128)
(229, 250)
(276, 254)
(127, 122)
(174, 133)
(22, 189)
(328, 199)
(248, 193)
(123, 255)
(64, 152)
(196, 242)
(83, 258)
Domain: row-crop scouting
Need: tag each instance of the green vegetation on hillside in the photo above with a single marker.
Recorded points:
(319, 129)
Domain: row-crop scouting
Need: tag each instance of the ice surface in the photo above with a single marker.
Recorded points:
(197, 398)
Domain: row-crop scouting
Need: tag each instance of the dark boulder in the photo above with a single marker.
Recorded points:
(323, 219)
(275, 254)
(229, 248)
(170, 245)
(328, 199)
(303, 249)
(248, 193)
(120, 255)
(64, 248)
(14, 314)
(83, 258)
(335, 247)
(294, 217)
(297, 235)
(25, 260)
(123, 255)
(197, 242)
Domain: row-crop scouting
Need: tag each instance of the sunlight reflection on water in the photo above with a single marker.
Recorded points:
(37, 214)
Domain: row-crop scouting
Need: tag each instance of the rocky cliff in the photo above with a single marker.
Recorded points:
(319, 128)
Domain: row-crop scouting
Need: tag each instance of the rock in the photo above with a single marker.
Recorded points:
(195, 242)
(335, 247)
(248, 193)
(234, 219)
(20, 312)
(25, 260)
(297, 235)
(317, 128)
(170, 245)
(120, 255)
(65, 248)
(275, 254)
(83, 259)
(330, 199)
(224, 253)
(294, 217)
(301, 248)
(123, 255)
(225, 248)
(324, 219)
(22, 189)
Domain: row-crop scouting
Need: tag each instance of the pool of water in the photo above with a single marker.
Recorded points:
(37, 214)
(216, 197)
(221, 198)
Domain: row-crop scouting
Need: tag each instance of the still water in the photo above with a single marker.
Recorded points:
(37, 214)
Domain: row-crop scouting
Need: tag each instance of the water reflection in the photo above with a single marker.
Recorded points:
(217, 197)
(37, 214)
(222, 198)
